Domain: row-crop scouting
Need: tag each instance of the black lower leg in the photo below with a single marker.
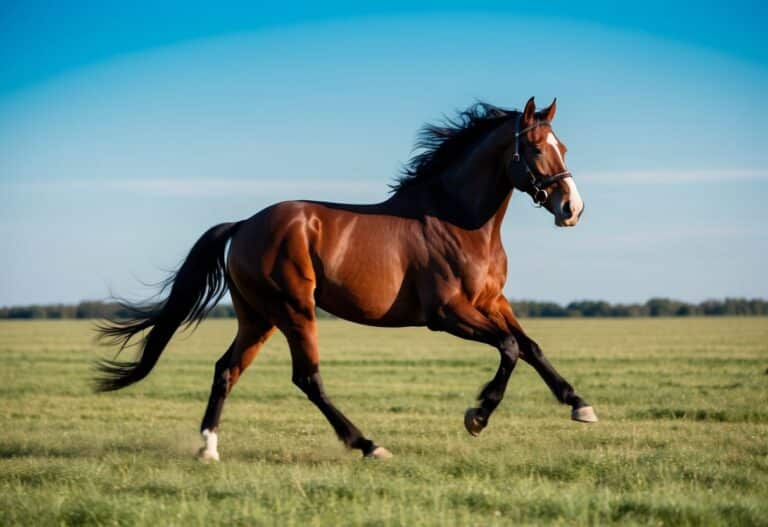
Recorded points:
(493, 392)
(347, 432)
(561, 389)
(219, 392)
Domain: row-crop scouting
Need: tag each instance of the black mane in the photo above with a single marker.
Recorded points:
(443, 144)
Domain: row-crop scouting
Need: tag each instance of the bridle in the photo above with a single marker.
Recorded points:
(537, 183)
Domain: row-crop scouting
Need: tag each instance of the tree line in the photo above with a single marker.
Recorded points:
(655, 307)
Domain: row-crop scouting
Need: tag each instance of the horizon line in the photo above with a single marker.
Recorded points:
(511, 299)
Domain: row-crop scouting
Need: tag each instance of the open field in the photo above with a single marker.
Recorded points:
(683, 437)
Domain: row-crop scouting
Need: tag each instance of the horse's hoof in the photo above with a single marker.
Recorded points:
(472, 422)
(206, 456)
(585, 414)
(379, 453)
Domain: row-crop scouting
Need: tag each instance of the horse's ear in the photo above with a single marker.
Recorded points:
(550, 112)
(530, 112)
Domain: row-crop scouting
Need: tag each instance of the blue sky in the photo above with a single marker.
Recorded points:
(125, 131)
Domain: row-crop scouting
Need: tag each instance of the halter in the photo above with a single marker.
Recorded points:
(538, 183)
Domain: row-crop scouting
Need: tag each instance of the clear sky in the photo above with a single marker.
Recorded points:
(127, 129)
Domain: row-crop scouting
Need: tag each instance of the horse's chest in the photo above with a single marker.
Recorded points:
(469, 262)
(482, 278)
(482, 281)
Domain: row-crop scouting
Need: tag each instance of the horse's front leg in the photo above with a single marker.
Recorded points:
(462, 319)
(475, 419)
(531, 353)
(562, 389)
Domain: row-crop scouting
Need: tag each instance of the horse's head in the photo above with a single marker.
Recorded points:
(537, 165)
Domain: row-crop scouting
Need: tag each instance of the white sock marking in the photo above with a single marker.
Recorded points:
(211, 441)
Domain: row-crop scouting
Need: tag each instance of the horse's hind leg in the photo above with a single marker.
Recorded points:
(251, 335)
(301, 332)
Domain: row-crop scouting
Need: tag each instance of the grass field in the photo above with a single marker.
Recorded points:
(683, 436)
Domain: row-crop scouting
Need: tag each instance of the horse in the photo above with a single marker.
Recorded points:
(429, 255)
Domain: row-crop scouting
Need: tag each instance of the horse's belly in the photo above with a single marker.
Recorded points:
(369, 286)
(360, 262)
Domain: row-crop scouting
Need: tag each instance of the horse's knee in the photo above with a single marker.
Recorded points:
(510, 349)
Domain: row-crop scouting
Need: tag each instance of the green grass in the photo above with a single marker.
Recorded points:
(683, 436)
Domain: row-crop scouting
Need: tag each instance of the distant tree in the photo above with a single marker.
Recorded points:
(26, 312)
(222, 311)
(686, 310)
(662, 307)
(527, 308)
(590, 308)
(758, 307)
(712, 307)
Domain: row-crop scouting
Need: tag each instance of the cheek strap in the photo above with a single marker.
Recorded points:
(537, 187)
(519, 132)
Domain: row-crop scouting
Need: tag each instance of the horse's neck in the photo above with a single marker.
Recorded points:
(472, 195)
(481, 192)
(475, 218)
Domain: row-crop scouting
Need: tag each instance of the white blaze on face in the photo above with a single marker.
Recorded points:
(575, 198)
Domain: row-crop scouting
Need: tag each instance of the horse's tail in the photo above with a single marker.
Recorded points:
(196, 287)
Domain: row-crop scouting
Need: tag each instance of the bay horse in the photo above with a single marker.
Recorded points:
(430, 255)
